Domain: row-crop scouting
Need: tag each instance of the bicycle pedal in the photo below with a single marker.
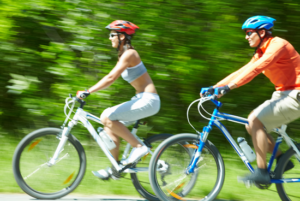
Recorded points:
(247, 183)
(114, 177)
(126, 167)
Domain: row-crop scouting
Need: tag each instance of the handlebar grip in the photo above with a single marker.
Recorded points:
(81, 102)
(223, 92)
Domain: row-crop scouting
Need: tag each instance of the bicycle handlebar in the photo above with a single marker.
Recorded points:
(213, 99)
(81, 102)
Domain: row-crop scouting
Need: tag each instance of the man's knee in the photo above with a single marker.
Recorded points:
(248, 129)
(250, 121)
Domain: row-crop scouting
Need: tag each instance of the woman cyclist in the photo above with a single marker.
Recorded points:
(145, 103)
(280, 62)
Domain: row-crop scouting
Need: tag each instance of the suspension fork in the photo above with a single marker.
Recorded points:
(197, 154)
(203, 137)
(64, 137)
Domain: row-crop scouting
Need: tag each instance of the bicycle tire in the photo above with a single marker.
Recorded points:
(287, 190)
(210, 155)
(33, 149)
(142, 187)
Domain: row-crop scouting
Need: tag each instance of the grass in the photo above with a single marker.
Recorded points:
(232, 190)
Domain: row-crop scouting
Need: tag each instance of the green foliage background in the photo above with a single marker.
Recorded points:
(51, 48)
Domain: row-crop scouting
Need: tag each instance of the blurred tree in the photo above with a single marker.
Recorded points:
(52, 48)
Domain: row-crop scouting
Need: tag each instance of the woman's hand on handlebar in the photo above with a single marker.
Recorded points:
(82, 94)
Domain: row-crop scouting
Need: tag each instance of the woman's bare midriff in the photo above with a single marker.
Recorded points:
(144, 84)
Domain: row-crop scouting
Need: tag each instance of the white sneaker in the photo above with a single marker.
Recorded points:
(135, 154)
(107, 173)
(103, 174)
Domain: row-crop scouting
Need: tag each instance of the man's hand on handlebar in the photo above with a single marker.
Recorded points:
(219, 91)
(82, 94)
(206, 91)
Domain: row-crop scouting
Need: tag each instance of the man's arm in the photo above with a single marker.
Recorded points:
(232, 76)
(273, 53)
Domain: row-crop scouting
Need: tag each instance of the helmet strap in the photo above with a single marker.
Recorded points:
(261, 40)
(119, 43)
(127, 42)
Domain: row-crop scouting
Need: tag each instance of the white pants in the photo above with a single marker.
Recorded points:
(140, 106)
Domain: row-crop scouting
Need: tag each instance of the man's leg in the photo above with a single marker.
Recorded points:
(259, 139)
(260, 142)
(271, 142)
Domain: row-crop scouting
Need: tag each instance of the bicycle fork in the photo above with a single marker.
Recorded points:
(64, 138)
(198, 151)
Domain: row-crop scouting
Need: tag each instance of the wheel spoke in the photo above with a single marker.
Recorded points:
(35, 171)
(36, 176)
(172, 181)
(141, 178)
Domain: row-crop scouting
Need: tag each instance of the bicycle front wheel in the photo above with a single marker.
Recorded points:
(32, 169)
(289, 191)
(170, 161)
(141, 180)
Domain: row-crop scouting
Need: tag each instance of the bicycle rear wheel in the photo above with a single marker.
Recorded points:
(141, 180)
(169, 163)
(288, 191)
(34, 174)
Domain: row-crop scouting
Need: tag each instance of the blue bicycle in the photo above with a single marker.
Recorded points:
(200, 175)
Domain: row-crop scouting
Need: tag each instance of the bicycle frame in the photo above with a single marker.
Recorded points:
(215, 122)
(83, 117)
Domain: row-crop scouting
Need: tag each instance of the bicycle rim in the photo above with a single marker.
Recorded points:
(289, 191)
(171, 162)
(141, 180)
(41, 180)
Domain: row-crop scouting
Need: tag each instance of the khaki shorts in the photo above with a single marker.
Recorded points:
(283, 108)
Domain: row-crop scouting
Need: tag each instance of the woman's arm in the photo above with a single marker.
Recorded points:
(114, 74)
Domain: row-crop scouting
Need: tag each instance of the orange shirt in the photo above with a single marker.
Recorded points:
(277, 59)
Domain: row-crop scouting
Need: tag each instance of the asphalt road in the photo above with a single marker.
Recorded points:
(25, 197)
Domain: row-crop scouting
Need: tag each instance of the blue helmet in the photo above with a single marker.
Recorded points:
(259, 22)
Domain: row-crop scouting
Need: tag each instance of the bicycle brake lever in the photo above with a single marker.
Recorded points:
(215, 97)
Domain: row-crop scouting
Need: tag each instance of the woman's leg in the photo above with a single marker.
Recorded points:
(129, 111)
(116, 139)
(118, 129)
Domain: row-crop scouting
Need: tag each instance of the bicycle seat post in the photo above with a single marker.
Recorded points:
(283, 127)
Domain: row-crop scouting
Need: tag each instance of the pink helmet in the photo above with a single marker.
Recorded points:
(122, 26)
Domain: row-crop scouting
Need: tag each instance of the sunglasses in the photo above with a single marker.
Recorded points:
(248, 33)
(111, 35)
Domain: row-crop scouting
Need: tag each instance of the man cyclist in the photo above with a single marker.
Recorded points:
(280, 62)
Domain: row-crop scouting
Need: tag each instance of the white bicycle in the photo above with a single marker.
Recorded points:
(49, 163)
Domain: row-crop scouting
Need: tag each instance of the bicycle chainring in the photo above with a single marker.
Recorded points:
(262, 186)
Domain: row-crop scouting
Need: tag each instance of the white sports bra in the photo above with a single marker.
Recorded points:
(132, 73)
